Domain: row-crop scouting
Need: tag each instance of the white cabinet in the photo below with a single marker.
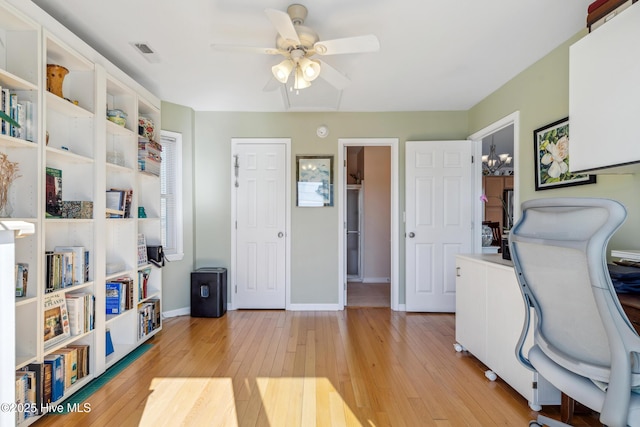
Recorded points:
(489, 318)
(603, 97)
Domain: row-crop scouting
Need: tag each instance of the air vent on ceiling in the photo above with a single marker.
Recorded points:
(146, 51)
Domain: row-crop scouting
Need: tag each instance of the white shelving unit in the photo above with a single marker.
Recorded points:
(72, 134)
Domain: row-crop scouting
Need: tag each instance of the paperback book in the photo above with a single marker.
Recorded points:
(56, 319)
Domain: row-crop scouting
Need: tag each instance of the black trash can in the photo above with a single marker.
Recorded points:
(209, 292)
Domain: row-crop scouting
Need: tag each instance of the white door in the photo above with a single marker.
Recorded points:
(260, 186)
(438, 220)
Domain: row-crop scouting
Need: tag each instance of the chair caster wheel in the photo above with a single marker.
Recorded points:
(458, 347)
(534, 423)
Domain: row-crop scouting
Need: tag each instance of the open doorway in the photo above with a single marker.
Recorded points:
(497, 186)
(368, 226)
(369, 245)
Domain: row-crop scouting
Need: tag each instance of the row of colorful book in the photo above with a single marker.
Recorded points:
(40, 385)
(22, 111)
(66, 266)
(119, 295)
(149, 317)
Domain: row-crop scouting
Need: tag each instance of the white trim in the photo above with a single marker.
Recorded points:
(393, 143)
(176, 137)
(184, 311)
(511, 119)
(314, 307)
(287, 162)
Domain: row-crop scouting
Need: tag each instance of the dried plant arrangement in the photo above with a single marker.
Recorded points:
(8, 173)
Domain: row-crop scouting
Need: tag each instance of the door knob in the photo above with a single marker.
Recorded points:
(412, 235)
(280, 234)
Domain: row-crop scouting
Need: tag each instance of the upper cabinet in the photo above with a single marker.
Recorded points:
(604, 97)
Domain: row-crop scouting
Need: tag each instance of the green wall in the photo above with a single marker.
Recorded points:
(541, 94)
(314, 267)
(176, 275)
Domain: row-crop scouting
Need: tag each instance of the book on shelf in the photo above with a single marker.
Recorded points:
(119, 295)
(22, 278)
(69, 365)
(79, 262)
(36, 384)
(5, 104)
(56, 319)
(46, 386)
(53, 193)
(80, 306)
(115, 204)
(143, 282)
(142, 250)
(83, 359)
(59, 270)
(57, 375)
(149, 317)
(22, 382)
(108, 343)
(114, 302)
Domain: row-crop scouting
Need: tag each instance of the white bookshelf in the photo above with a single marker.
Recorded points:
(82, 144)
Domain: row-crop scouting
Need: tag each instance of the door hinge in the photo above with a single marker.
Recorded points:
(236, 290)
(345, 163)
(534, 385)
(236, 225)
(472, 159)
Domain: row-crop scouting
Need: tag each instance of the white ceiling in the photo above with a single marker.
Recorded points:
(434, 55)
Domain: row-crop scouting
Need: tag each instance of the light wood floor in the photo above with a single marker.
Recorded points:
(368, 294)
(358, 367)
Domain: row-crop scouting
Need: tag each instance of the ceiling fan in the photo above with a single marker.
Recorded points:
(300, 45)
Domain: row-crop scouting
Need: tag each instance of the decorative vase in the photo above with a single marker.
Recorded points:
(55, 78)
(6, 209)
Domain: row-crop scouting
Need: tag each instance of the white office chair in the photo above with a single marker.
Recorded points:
(583, 342)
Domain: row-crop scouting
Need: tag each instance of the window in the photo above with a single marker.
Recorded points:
(171, 195)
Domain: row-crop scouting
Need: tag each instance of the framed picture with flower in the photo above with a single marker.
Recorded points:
(551, 148)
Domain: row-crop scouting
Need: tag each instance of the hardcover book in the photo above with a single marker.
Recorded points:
(57, 375)
(53, 193)
(56, 319)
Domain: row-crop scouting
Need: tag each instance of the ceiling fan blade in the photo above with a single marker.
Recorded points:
(368, 43)
(332, 76)
(245, 49)
(282, 22)
(271, 85)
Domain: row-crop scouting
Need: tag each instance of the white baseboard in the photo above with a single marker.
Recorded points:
(402, 307)
(313, 307)
(376, 280)
(185, 311)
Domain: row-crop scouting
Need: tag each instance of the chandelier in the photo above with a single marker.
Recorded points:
(493, 163)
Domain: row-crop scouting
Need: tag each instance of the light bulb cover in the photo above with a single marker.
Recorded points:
(300, 82)
(282, 71)
(310, 69)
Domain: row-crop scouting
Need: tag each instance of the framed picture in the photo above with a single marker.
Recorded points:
(551, 148)
(314, 180)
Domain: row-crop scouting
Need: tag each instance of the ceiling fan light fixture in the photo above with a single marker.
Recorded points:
(282, 71)
(300, 82)
(310, 69)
